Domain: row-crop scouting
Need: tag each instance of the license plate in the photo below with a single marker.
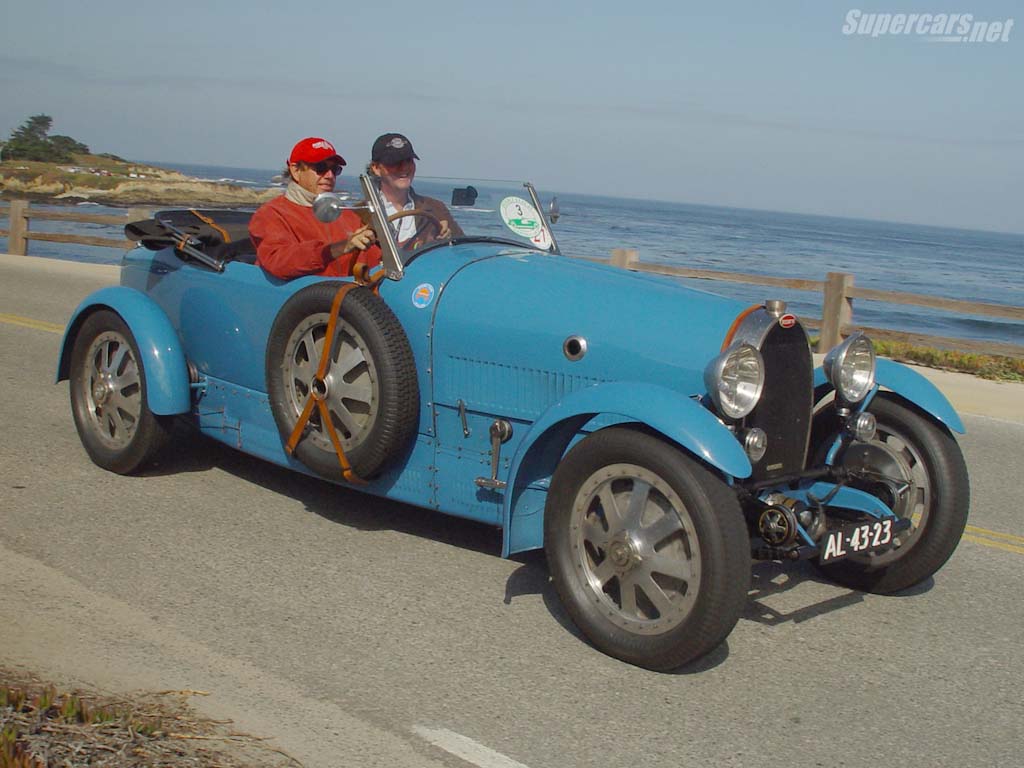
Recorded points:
(857, 539)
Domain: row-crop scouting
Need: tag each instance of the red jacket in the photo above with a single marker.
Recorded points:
(290, 241)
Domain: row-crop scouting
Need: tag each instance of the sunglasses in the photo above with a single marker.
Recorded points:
(324, 166)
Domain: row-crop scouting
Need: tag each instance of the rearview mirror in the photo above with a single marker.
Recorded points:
(464, 196)
(553, 211)
(327, 206)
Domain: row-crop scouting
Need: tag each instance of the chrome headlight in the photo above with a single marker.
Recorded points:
(850, 368)
(735, 380)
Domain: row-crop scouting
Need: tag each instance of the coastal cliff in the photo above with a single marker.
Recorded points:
(100, 179)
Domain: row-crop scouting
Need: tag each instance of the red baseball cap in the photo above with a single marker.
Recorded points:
(314, 150)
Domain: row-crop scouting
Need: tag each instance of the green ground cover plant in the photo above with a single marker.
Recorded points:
(995, 367)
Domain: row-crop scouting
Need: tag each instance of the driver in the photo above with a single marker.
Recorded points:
(290, 241)
(393, 162)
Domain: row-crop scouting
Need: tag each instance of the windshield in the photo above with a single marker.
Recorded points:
(412, 218)
(442, 210)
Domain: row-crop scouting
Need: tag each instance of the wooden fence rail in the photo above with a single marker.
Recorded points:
(838, 290)
(20, 213)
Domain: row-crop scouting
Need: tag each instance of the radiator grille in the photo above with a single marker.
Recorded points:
(784, 411)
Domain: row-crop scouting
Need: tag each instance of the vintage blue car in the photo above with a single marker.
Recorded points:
(652, 439)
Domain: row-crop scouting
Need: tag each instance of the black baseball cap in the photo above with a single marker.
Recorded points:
(391, 149)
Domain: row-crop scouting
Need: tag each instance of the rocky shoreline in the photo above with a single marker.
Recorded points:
(119, 183)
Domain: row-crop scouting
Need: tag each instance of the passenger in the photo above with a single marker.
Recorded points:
(290, 241)
(393, 161)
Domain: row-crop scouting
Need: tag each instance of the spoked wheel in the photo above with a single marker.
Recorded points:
(647, 549)
(351, 386)
(370, 387)
(917, 470)
(108, 396)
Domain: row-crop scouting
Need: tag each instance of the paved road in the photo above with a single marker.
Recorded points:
(361, 632)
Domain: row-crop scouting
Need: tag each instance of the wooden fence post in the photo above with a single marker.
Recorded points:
(625, 258)
(836, 309)
(17, 242)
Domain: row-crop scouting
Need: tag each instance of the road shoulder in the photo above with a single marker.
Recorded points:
(50, 623)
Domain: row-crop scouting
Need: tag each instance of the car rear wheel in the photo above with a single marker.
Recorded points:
(370, 386)
(108, 396)
(647, 549)
(917, 469)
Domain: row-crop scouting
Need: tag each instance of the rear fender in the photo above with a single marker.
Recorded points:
(163, 361)
(675, 416)
(913, 387)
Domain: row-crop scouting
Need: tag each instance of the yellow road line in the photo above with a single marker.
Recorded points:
(994, 544)
(28, 322)
(994, 534)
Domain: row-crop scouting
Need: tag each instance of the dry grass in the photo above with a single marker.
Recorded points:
(27, 171)
(105, 180)
(42, 726)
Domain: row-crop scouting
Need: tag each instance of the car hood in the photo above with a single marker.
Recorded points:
(502, 320)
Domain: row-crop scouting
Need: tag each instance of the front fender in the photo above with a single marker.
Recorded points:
(674, 415)
(163, 361)
(912, 386)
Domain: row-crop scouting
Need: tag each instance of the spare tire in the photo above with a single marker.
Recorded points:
(372, 392)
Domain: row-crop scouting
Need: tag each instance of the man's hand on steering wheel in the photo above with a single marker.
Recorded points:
(443, 228)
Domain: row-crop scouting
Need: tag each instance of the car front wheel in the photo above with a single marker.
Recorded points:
(108, 396)
(917, 469)
(647, 549)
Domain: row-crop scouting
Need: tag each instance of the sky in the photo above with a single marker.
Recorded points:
(765, 105)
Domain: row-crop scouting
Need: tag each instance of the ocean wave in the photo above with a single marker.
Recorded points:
(237, 182)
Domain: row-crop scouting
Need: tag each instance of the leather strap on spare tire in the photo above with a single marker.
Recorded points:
(318, 395)
(346, 403)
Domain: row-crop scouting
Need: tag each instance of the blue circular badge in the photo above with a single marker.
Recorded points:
(422, 295)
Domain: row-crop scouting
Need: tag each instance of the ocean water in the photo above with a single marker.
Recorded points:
(951, 263)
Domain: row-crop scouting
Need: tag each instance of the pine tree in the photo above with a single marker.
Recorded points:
(31, 142)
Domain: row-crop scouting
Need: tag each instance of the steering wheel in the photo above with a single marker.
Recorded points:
(431, 219)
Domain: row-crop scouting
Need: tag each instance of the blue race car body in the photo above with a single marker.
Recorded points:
(521, 359)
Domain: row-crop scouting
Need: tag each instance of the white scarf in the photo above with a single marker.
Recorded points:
(299, 195)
